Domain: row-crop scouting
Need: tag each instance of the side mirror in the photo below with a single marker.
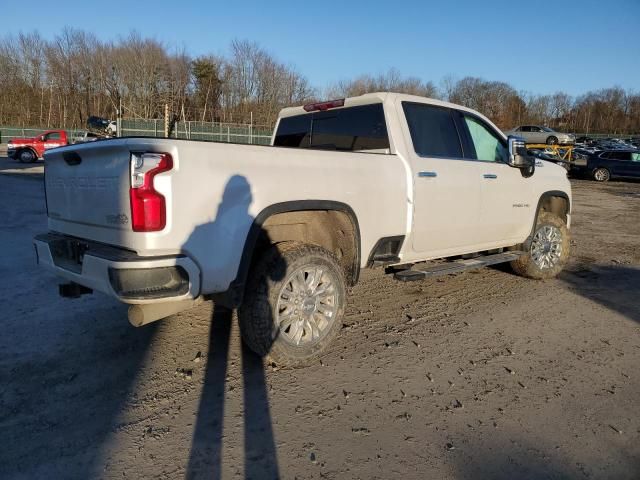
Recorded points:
(42, 138)
(518, 155)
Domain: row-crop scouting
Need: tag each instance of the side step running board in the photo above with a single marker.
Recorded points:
(456, 266)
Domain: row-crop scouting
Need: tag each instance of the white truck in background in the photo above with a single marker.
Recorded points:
(280, 232)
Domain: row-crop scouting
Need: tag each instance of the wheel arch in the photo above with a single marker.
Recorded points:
(26, 147)
(554, 201)
(257, 231)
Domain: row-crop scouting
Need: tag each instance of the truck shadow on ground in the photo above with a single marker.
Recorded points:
(63, 405)
(229, 228)
(614, 287)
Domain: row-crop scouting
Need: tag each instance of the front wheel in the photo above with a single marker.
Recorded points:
(549, 249)
(552, 140)
(294, 304)
(27, 156)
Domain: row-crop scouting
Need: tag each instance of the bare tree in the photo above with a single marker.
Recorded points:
(62, 81)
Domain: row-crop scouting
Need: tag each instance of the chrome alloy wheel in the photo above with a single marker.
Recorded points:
(307, 305)
(601, 175)
(546, 247)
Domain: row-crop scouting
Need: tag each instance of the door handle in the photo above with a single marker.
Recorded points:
(490, 175)
(427, 174)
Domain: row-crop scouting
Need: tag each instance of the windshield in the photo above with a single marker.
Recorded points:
(547, 129)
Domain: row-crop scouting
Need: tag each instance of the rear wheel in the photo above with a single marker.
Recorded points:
(549, 249)
(27, 156)
(294, 304)
(552, 140)
(601, 175)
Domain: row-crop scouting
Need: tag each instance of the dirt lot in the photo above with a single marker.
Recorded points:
(481, 375)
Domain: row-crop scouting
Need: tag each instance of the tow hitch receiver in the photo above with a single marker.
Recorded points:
(73, 290)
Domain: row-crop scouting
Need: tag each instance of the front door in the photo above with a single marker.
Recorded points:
(505, 194)
(53, 140)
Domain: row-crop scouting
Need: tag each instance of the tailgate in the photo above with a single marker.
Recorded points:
(88, 185)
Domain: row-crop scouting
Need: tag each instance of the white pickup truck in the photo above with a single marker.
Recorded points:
(419, 186)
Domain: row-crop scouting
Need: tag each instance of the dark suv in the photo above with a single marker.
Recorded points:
(603, 165)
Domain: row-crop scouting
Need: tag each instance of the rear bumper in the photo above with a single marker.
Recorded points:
(118, 272)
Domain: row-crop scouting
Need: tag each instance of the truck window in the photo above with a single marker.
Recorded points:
(487, 145)
(345, 129)
(433, 130)
(53, 136)
(620, 155)
(293, 132)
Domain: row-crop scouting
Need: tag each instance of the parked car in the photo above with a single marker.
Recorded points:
(279, 232)
(602, 166)
(112, 128)
(82, 137)
(102, 125)
(28, 150)
(538, 134)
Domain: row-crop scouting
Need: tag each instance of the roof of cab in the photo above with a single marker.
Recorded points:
(378, 97)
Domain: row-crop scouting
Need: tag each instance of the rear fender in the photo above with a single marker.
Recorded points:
(233, 297)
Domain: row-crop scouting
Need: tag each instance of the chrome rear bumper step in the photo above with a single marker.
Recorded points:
(456, 266)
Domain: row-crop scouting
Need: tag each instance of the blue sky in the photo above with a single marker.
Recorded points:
(539, 47)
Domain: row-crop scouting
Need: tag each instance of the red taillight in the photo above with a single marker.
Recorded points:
(148, 207)
(322, 106)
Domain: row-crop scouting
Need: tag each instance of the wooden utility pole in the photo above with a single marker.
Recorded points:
(166, 120)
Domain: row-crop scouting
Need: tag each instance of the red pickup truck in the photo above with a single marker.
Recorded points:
(28, 150)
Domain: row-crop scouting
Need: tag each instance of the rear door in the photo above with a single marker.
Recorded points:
(446, 185)
(621, 163)
(634, 166)
(538, 135)
(609, 161)
(525, 132)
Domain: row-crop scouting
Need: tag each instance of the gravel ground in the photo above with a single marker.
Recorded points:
(479, 375)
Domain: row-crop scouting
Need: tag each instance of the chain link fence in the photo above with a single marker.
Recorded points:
(215, 132)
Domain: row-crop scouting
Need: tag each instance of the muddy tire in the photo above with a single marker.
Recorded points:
(549, 249)
(601, 175)
(293, 305)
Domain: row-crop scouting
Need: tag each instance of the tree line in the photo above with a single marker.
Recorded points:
(61, 81)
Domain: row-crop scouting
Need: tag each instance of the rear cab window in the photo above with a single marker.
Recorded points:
(351, 129)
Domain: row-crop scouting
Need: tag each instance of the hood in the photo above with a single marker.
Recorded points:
(551, 168)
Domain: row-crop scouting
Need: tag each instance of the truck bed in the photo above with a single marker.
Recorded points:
(214, 192)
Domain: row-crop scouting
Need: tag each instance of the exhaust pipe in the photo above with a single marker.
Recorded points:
(140, 315)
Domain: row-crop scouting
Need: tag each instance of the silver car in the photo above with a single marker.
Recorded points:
(539, 134)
